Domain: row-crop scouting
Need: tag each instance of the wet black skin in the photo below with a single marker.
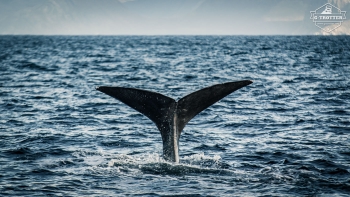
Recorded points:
(169, 115)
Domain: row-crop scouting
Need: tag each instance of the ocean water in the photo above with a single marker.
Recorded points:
(287, 134)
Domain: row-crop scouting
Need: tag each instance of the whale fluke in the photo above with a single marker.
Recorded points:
(151, 104)
(192, 104)
(169, 115)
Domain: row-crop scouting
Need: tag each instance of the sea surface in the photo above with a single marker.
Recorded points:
(287, 134)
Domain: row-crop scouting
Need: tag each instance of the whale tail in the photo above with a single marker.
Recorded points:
(159, 108)
(167, 113)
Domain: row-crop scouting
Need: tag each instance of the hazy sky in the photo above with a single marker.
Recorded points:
(166, 17)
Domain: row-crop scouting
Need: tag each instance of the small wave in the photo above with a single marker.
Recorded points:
(43, 172)
(337, 171)
(50, 163)
(238, 53)
(32, 66)
(25, 153)
(20, 151)
(216, 147)
(323, 163)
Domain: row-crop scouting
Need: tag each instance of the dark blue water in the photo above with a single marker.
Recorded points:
(287, 134)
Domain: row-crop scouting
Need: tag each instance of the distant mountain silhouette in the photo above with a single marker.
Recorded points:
(161, 16)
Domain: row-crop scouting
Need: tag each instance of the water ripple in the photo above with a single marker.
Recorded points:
(287, 134)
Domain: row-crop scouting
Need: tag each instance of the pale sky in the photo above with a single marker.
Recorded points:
(164, 17)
